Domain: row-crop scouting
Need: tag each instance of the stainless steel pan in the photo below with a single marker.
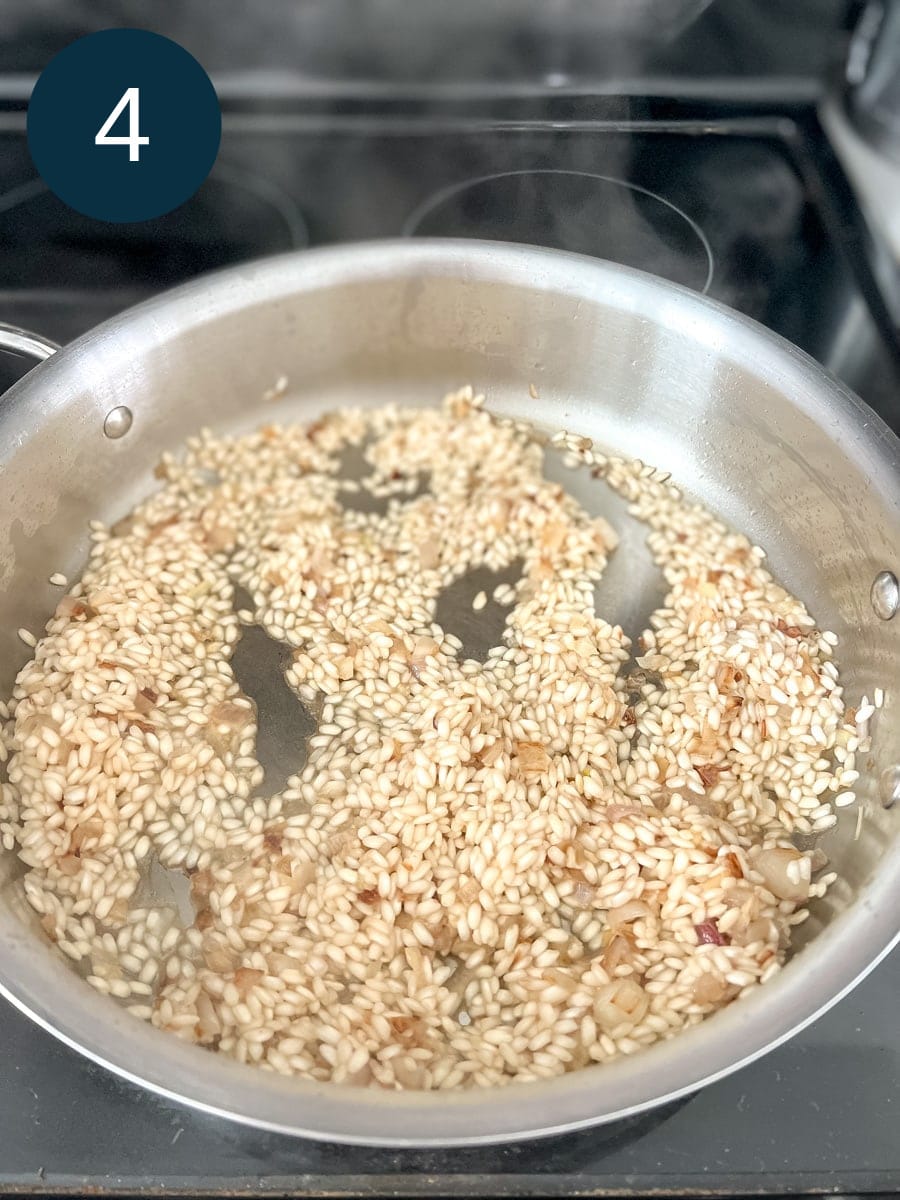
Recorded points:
(741, 418)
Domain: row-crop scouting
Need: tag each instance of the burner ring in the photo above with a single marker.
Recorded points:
(578, 211)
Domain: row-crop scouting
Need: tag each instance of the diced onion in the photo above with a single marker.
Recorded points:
(710, 988)
(622, 1003)
(781, 877)
(631, 910)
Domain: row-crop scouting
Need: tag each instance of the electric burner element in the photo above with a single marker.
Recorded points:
(572, 210)
(236, 215)
(73, 272)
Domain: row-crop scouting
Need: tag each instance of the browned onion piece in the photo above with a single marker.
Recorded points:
(303, 874)
(710, 988)
(246, 978)
(429, 554)
(760, 930)
(533, 758)
(227, 722)
(775, 866)
(620, 1003)
(618, 953)
(631, 910)
(219, 959)
(209, 1025)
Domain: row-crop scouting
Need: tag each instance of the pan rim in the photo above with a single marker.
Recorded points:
(864, 933)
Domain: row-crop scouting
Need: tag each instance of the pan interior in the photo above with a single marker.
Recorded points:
(645, 370)
(631, 588)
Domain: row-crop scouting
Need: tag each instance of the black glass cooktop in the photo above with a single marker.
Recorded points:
(745, 203)
(749, 206)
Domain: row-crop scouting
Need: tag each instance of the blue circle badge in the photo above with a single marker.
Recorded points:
(124, 125)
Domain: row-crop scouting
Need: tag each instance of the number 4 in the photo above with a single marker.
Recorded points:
(129, 99)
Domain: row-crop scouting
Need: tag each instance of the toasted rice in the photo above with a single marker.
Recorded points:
(485, 871)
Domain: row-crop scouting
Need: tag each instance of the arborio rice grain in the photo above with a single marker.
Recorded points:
(485, 871)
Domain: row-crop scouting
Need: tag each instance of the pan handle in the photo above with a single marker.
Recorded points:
(20, 341)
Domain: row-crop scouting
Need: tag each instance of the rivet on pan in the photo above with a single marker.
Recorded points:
(118, 422)
(885, 595)
(889, 787)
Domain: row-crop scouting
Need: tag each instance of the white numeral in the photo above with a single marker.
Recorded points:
(130, 99)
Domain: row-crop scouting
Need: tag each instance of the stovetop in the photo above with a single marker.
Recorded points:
(744, 200)
(819, 1115)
